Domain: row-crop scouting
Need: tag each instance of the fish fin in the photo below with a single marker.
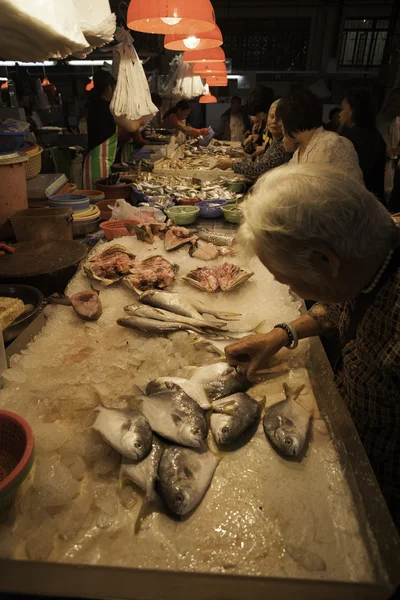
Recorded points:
(176, 418)
(150, 504)
(294, 393)
(258, 328)
(225, 408)
(134, 400)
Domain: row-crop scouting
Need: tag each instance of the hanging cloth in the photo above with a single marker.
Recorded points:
(98, 162)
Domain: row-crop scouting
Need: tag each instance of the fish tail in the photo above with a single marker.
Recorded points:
(293, 393)
(259, 328)
(149, 506)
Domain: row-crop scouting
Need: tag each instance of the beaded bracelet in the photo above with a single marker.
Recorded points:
(292, 335)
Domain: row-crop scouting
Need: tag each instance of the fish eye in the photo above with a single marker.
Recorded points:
(195, 430)
(138, 445)
(179, 498)
(289, 442)
(225, 430)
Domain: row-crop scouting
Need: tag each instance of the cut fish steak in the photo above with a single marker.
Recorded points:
(226, 277)
(153, 272)
(110, 265)
(176, 237)
(207, 251)
(87, 305)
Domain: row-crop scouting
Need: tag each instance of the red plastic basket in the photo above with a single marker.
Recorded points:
(116, 229)
(16, 455)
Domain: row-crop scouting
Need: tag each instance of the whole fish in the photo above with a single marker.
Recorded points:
(149, 312)
(286, 423)
(87, 305)
(220, 380)
(153, 326)
(127, 431)
(176, 417)
(204, 309)
(232, 416)
(170, 301)
(144, 473)
(194, 390)
(185, 476)
(218, 239)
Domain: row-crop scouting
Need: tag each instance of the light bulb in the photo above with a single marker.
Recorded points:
(170, 20)
(191, 42)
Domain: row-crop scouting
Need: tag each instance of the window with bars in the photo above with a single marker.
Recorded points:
(273, 45)
(363, 42)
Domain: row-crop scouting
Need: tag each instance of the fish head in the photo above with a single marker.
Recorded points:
(222, 428)
(288, 441)
(193, 434)
(136, 439)
(181, 498)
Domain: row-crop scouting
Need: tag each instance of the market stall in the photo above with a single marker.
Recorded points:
(303, 523)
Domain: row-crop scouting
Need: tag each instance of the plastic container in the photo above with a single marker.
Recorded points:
(183, 215)
(235, 186)
(211, 209)
(82, 228)
(103, 205)
(42, 224)
(93, 195)
(11, 141)
(232, 213)
(17, 451)
(115, 192)
(117, 229)
(188, 201)
(75, 201)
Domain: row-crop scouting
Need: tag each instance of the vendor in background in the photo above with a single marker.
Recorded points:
(175, 118)
(258, 104)
(234, 122)
(102, 130)
(301, 114)
(357, 120)
(388, 123)
(326, 236)
(254, 138)
(333, 123)
(274, 155)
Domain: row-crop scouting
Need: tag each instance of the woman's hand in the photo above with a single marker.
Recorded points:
(260, 150)
(204, 131)
(224, 163)
(255, 351)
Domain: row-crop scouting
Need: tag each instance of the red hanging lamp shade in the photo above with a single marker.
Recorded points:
(4, 85)
(90, 86)
(171, 16)
(206, 70)
(201, 41)
(208, 99)
(211, 56)
(217, 81)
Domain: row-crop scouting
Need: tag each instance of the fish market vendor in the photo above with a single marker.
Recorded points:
(325, 235)
(175, 118)
(102, 130)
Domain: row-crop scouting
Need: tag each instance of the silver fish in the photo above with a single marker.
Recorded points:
(194, 390)
(144, 473)
(286, 423)
(232, 416)
(127, 431)
(153, 326)
(149, 312)
(204, 309)
(176, 417)
(218, 239)
(231, 383)
(209, 373)
(170, 301)
(185, 476)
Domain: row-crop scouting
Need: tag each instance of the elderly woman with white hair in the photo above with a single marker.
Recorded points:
(274, 154)
(322, 233)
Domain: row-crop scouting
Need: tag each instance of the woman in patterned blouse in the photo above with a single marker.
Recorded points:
(321, 232)
(273, 156)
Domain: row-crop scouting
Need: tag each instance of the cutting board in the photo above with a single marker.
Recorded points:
(31, 259)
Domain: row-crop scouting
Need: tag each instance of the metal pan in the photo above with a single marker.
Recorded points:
(31, 297)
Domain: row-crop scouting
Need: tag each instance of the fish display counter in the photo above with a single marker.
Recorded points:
(160, 471)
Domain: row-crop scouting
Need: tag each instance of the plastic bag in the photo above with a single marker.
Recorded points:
(145, 214)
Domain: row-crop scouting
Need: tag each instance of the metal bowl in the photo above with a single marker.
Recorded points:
(31, 297)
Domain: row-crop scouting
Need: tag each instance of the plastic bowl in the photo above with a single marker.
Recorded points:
(75, 201)
(106, 212)
(17, 447)
(183, 215)
(10, 141)
(117, 229)
(211, 209)
(235, 186)
(93, 195)
(188, 201)
(232, 213)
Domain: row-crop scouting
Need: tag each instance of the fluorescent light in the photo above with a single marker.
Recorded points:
(86, 63)
(3, 78)
(12, 63)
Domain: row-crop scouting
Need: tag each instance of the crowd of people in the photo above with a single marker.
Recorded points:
(317, 217)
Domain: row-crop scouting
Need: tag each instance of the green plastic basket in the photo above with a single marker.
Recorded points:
(183, 215)
(232, 213)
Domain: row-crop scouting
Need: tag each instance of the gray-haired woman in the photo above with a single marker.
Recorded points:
(322, 233)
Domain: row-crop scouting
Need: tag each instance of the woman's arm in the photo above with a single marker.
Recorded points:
(273, 157)
(174, 123)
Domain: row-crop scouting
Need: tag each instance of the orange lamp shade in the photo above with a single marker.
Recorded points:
(4, 85)
(182, 17)
(90, 86)
(217, 81)
(201, 41)
(214, 55)
(213, 69)
(208, 99)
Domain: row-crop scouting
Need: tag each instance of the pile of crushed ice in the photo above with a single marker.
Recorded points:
(70, 508)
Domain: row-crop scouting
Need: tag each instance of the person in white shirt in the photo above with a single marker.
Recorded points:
(301, 114)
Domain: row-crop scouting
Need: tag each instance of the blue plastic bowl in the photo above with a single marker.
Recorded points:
(211, 209)
(75, 201)
(11, 141)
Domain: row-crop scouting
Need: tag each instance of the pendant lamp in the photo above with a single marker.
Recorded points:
(206, 70)
(214, 55)
(217, 81)
(201, 41)
(208, 99)
(90, 85)
(182, 17)
(4, 85)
